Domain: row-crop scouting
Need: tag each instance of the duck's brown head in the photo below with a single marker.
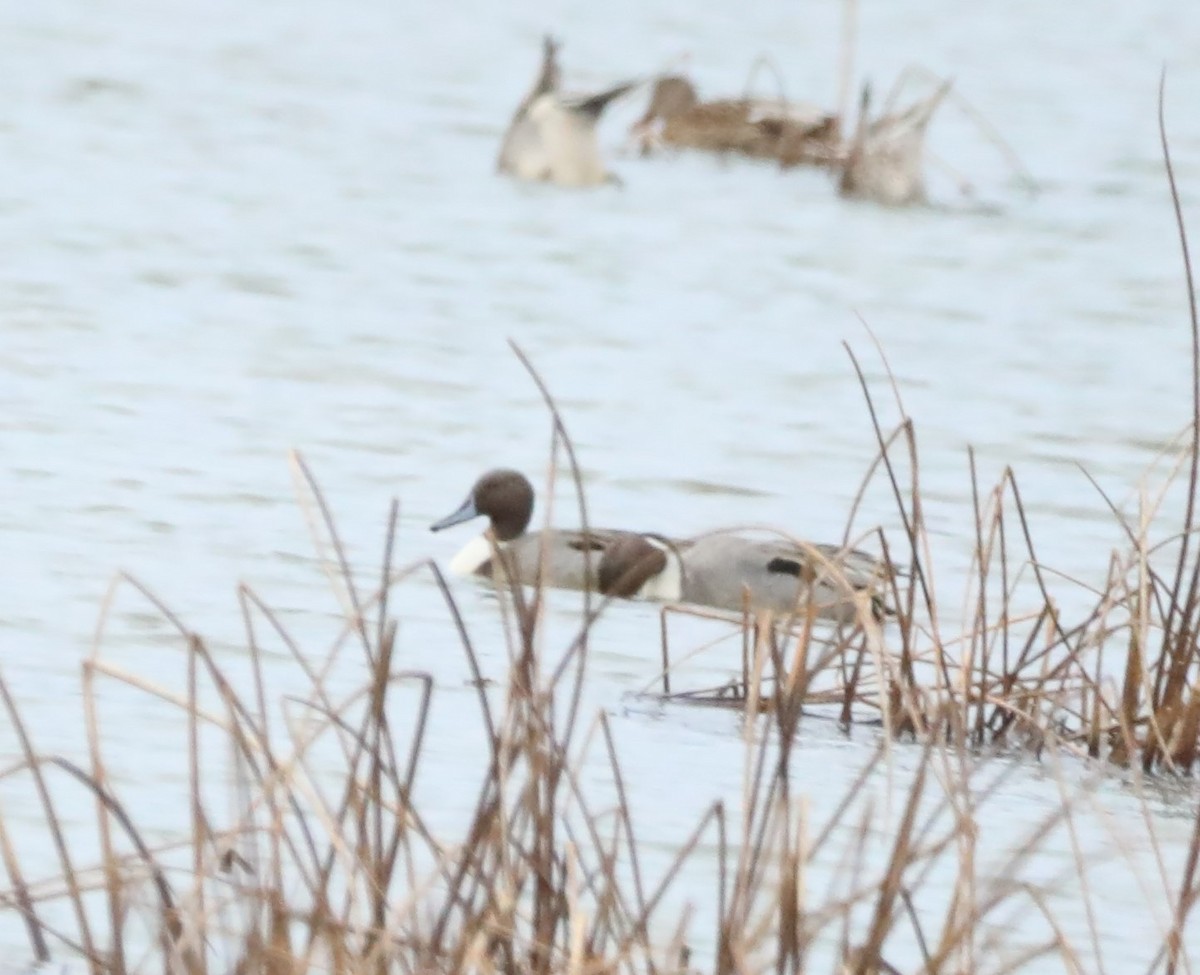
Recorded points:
(504, 496)
(671, 97)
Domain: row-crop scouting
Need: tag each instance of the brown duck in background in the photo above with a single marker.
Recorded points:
(761, 128)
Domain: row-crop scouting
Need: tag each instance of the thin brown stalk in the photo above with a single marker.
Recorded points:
(50, 814)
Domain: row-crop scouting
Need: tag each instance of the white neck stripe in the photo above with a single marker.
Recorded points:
(472, 555)
(667, 585)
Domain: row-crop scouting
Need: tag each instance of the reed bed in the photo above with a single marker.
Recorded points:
(302, 865)
(322, 852)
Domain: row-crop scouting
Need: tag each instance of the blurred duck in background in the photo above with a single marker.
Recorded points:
(552, 136)
(885, 161)
(792, 133)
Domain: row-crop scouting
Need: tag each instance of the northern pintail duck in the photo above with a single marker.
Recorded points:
(564, 559)
(724, 570)
(552, 136)
(762, 128)
(885, 161)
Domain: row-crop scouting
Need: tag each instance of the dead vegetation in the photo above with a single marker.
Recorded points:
(334, 861)
(325, 850)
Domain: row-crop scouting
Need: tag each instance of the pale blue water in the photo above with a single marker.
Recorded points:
(229, 230)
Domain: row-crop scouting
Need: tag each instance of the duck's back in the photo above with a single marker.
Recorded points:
(724, 570)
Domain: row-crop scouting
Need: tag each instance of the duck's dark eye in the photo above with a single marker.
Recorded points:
(591, 544)
(787, 567)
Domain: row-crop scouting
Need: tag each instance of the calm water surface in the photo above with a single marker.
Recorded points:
(228, 230)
